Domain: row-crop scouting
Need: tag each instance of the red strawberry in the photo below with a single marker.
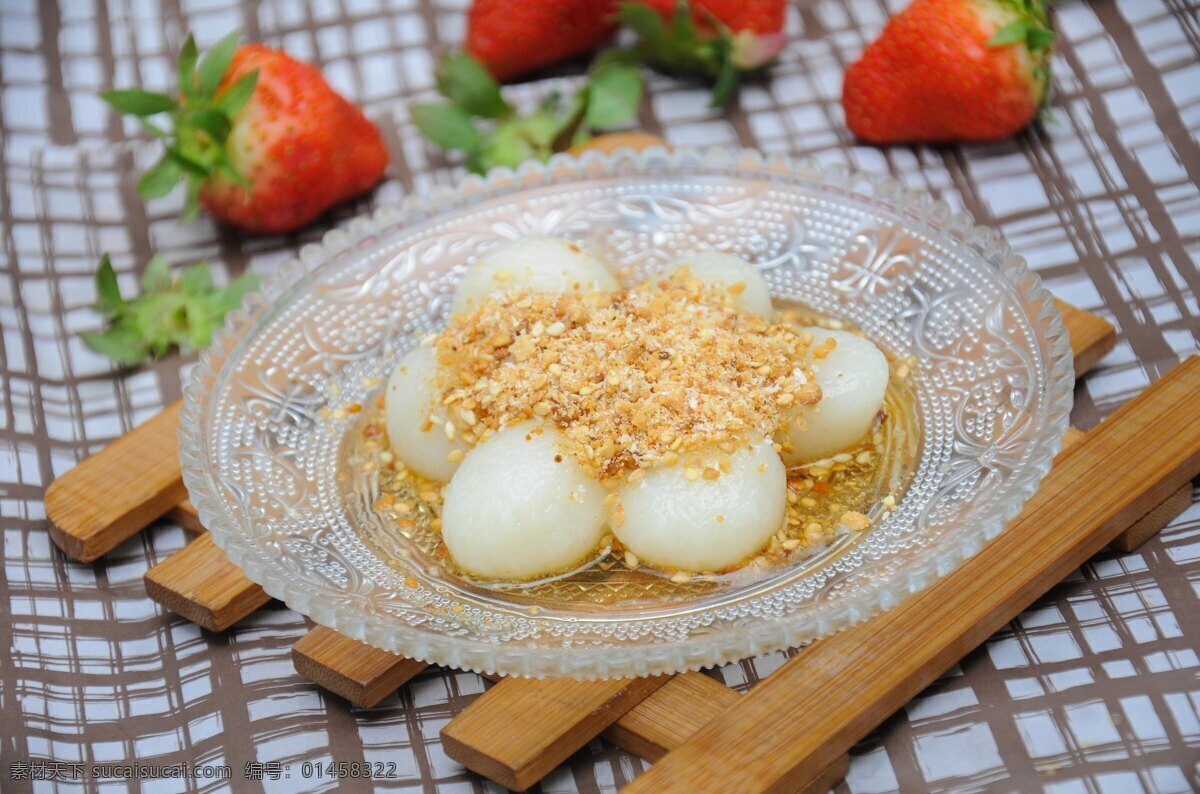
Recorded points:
(719, 39)
(952, 70)
(756, 16)
(260, 138)
(512, 37)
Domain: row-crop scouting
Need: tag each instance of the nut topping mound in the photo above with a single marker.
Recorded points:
(634, 379)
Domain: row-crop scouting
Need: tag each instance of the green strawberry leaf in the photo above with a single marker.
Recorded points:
(507, 145)
(618, 56)
(613, 95)
(684, 35)
(108, 291)
(137, 102)
(160, 180)
(214, 122)
(468, 84)
(1011, 33)
(157, 275)
(187, 161)
(188, 56)
(171, 312)
(1039, 38)
(120, 343)
(196, 279)
(539, 129)
(153, 129)
(191, 205)
(201, 324)
(216, 62)
(728, 73)
(642, 20)
(448, 126)
(570, 122)
(232, 174)
(235, 97)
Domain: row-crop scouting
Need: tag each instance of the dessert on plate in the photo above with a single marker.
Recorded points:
(683, 425)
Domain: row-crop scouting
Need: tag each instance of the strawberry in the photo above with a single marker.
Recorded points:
(260, 139)
(512, 37)
(718, 39)
(755, 16)
(952, 70)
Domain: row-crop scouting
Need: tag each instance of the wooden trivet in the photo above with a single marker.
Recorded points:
(650, 717)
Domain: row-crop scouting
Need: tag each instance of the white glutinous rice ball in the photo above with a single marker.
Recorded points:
(853, 379)
(520, 506)
(411, 401)
(537, 264)
(701, 524)
(726, 270)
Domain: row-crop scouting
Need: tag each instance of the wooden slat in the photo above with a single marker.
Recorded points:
(360, 673)
(116, 492)
(201, 584)
(1091, 336)
(610, 142)
(1153, 522)
(829, 777)
(670, 715)
(841, 687)
(518, 757)
(184, 514)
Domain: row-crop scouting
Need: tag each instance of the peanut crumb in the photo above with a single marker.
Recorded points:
(855, 520)
(633, 378)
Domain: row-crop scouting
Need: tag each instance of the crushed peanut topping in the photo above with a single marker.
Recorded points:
(634, 379)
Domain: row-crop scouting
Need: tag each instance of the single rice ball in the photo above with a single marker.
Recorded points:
(411, 403)
(675, 517)
(853, 379)
(536, 264)
(520, 506)
(726, 270)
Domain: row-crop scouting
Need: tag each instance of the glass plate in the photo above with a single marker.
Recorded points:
(264, 429)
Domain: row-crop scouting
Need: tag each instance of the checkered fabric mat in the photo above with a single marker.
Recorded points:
(1094, 689)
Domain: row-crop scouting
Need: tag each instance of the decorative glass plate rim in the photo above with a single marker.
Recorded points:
(700, 650)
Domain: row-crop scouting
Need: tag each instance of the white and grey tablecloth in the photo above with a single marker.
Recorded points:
(1094, 689)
